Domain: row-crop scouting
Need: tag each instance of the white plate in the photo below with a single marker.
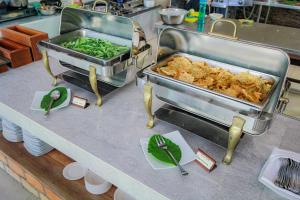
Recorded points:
(0, 124)
(74, 171)
(33, 140)
(270, 170)
(12, 138)
(36, 145)
(12, 132)
(187, 154)
(38, 148)
(38, 96)
(36, 153)
(9, 125)
(120, 195)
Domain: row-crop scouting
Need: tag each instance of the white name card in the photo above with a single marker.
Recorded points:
(205, 161)
(80, 102)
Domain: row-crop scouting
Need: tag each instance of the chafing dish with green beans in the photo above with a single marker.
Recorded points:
(103, 47)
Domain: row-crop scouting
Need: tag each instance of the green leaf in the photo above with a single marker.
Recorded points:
(160, 154)
(46, 99)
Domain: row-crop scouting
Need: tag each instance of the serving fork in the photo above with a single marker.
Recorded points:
(160, 141)
(289, 175)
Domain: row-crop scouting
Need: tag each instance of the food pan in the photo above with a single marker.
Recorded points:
(55, 42)
(214, 94)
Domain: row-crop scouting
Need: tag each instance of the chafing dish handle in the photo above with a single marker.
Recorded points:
(222, 35)
(94, 85)
(139, 59)
(283, 101)
(282, 104)
(140, 79)
(47, 66)
(235, 133)
(100, 1)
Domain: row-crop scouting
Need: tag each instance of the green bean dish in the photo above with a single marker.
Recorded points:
(98, 48)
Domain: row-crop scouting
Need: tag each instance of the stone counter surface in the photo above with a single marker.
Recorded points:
(107, 140)
(48, 24)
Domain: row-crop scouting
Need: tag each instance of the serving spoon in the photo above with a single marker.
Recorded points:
(54, 96)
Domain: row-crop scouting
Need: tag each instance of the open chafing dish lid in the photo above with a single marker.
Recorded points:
(244, 54)
(74, 19)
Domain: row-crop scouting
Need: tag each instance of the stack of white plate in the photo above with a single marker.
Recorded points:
(35, 146)
(11, 131)
(0, 124)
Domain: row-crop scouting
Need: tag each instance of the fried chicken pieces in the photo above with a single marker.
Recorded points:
(242, 85)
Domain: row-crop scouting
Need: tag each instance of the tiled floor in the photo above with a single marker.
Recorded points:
(10, 189)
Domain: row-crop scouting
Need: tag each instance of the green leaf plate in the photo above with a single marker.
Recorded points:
(160, 154)
(46, 99)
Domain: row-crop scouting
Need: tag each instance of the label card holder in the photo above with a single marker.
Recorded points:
(79, 102)
(205, 161)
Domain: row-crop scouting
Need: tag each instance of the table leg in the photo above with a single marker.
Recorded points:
(94, 85)
(226, 12)
(148, 104)
(259, 13)
(47, 67)
(268, 13)
(235, 133)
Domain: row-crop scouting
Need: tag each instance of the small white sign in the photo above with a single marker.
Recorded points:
(205, 160)
(80, 102)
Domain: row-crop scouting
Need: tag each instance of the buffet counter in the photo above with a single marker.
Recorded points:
(266, 34)
(48, 24)
(107, 140)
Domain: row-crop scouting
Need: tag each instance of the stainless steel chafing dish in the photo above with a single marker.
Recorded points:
(116, 71)
(239, 115)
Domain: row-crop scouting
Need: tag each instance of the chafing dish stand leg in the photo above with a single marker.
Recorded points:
(93, 82)
(148, 104)
(47, 67)
(235, 133)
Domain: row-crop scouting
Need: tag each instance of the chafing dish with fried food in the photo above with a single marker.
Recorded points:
(228, 82)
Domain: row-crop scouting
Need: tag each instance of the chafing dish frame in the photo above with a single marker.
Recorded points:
(239, 117)
(117, 71)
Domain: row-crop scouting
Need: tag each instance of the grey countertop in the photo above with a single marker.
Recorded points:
(285, 38)
(25, 20)
(107, 140)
